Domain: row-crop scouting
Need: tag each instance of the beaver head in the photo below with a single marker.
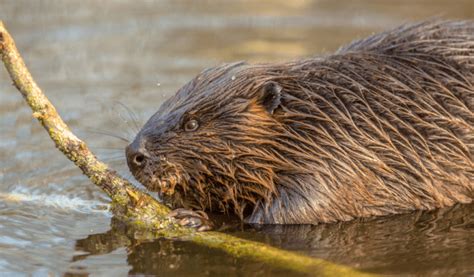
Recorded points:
(211, 146)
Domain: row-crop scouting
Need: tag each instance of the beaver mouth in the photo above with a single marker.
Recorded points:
(162, 180)
(172, 192)
(170, 185)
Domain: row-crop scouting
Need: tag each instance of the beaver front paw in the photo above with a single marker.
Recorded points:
(193, 219)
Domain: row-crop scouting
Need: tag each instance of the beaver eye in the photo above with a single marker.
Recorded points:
(191, 125)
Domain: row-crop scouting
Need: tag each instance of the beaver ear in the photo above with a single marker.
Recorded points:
(270, 96)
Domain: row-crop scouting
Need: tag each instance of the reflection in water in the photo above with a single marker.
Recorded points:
(147, 254)
(89, 55)
(435, 242)
(422, 242)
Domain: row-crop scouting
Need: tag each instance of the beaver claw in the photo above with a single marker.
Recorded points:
(193, 219)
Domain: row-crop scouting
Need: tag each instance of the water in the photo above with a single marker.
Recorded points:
(89, 57)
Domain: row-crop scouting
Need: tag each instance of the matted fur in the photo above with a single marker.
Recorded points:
(383, 126)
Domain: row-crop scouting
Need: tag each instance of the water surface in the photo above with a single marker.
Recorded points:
(89, 57)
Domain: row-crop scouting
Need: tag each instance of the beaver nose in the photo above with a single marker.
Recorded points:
(136, 156)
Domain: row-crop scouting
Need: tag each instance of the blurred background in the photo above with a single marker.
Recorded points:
(107, 66)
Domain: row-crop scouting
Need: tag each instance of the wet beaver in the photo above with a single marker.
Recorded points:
(383, 126)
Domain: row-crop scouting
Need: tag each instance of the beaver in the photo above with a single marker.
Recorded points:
(385, 125)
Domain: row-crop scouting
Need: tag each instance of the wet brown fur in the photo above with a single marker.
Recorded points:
(383, 126)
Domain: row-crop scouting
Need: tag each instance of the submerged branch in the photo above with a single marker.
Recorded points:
(131, 205)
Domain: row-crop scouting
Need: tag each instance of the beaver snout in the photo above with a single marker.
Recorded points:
(136, 156)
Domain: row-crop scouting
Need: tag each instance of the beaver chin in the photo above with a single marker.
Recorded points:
(170, 185)
(179, 200)
(163, 182)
